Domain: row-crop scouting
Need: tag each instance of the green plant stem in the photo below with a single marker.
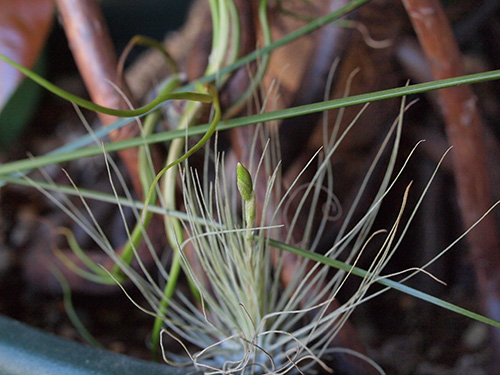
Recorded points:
(94, 273)
(262, 64)
(44, 160)
(386, 282)
(220, 15)
(204, 98)
(208, 134)
(169, 291)
(151, 43)
(146, 176)
(245, 187)
(173, 226)
(70, 310)
(224, 19)
(235, 34)
(294, 35)
(220, 35)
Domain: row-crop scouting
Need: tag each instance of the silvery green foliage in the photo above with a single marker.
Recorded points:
(249, 322)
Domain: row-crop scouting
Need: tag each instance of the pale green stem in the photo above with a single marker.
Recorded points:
(174, 273)
(225, 38)
(191, 151)
(262, 64)
(173, 226)
(221, 31)
(214, 60)
(234, 50)
(146, 177)
(96, 273)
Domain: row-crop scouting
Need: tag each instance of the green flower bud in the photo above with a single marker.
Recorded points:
(245, 185)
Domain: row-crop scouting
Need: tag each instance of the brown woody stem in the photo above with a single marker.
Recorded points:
(465, 132)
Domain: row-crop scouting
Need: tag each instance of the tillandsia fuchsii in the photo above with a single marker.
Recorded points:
(250, 321)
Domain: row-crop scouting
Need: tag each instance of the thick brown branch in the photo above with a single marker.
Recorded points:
(95, 57)
(465, 133)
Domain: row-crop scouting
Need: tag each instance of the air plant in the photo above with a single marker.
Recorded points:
(246, 320)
